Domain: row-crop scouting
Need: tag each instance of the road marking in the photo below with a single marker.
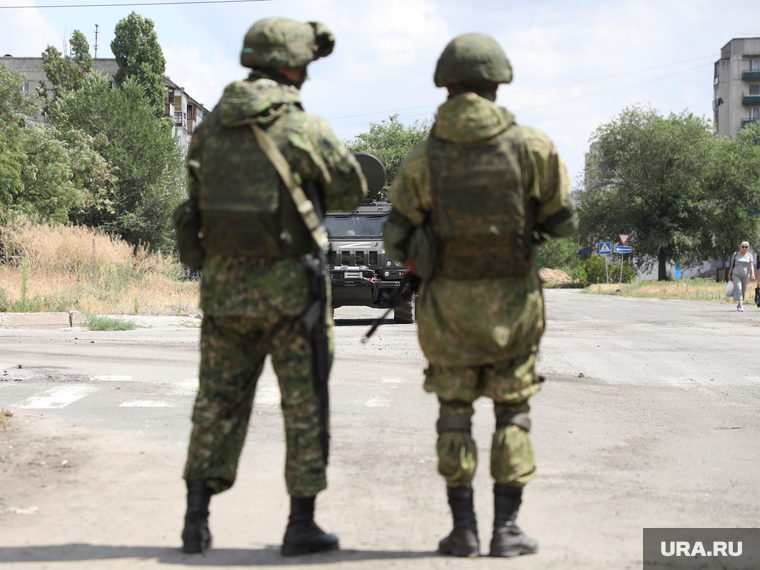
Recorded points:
(57, 397)
(146, 404)
(112, 378)
(187, 387)
(23, 510)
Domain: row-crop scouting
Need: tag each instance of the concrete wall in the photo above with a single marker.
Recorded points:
(35, 74)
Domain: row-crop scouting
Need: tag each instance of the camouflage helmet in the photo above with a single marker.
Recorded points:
(472, 58)
(282, 43)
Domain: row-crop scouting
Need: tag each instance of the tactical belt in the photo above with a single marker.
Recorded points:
(507, 418)
(302, 202)
(453, 423)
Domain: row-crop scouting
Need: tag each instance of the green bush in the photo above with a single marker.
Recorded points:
(559, 254)
(98, 323)
(594, 269)
(629, 273)
(595, 272)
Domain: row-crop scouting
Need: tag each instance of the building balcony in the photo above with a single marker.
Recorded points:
(751, 100)
(749, 121)
(180, 118)
(751, 75)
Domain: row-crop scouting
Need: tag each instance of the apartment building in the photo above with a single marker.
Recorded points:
(736, 83)
(186, 112)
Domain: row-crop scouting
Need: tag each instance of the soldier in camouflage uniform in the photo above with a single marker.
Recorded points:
(255, 284)
(469, 206)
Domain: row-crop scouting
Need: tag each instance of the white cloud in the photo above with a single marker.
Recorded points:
(577, 64)
(27, 32)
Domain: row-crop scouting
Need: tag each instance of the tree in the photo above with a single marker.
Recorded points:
(65, 71)
(15, 107)
(44, 172)
(391, 141)
(147, 159)
(560, 254)
(734, 179)
(139, 56)
(662, 180)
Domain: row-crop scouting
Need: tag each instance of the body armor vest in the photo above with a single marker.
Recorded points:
(245, 206)
(481, 217)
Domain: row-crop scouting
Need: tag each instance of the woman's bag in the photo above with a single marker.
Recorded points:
(757, 296)
(730, 289)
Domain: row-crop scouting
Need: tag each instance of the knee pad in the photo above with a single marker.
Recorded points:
(507, 418)
(453, 423)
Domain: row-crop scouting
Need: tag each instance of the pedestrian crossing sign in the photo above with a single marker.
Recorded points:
(605, 247)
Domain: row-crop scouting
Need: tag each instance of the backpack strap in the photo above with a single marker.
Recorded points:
(304, 206)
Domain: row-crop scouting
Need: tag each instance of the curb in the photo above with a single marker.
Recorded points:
(41, 320)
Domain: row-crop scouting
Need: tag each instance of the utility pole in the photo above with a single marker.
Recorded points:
(96, 41)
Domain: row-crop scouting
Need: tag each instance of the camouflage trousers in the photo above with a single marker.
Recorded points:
(509, 385)
(233, 350)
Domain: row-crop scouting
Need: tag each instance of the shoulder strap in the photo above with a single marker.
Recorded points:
(535, 187)
(302, 202)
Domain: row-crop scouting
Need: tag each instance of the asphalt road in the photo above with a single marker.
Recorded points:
(648, 418)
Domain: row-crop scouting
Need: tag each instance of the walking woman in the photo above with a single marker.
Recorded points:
(742, 270)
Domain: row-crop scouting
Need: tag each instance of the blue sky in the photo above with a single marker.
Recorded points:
(576, 63)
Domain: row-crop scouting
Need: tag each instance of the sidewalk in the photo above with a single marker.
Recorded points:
(75, 319)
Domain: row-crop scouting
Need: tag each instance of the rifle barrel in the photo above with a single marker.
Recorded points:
(376, 324)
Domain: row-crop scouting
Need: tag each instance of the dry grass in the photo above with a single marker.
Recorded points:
(67, 268)
(689, 289)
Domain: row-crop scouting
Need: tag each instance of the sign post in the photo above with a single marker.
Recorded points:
(605, 248)
(622, 250)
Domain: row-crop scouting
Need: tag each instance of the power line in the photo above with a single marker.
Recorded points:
(129, 4)
(539, 107)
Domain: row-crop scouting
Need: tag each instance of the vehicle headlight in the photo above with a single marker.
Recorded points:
(388, 263)
(386, 273)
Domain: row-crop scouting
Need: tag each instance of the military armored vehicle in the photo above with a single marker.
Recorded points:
(361, 274)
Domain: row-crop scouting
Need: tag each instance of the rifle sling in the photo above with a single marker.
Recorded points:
(304, 206)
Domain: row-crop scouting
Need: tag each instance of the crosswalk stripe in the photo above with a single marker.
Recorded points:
(58, 397)
(146, 404)
(112, 378)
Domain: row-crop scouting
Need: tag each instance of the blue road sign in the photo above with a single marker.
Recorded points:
(605, 247)
(623, 249)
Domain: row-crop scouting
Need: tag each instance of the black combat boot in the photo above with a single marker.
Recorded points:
(463, 540)
(196, 536)
(303, 536)
(508, 539)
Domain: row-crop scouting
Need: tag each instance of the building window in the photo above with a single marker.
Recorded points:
(754, 89)
(754, 64)
(754, 113)
(27, 87)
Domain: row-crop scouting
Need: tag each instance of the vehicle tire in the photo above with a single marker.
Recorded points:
(403, 314)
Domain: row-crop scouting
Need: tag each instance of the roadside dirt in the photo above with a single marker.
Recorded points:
(37, 458)
(554, 276)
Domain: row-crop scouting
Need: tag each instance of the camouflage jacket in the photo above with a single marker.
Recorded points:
(236, 285)
(473, 322)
